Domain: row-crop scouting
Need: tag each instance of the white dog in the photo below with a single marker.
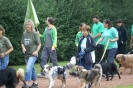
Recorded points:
(59, 72)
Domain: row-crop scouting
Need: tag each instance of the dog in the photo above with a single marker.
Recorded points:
(111, 68)
(20, 75)
(59, 72)
(88, 76)
(8, 78)
(126, 61)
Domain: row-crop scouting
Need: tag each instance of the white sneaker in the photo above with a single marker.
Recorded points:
(40, 76)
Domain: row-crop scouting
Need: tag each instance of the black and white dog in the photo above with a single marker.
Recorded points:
(59, 72)
(8, 78)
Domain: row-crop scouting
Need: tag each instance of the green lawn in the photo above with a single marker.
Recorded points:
(37, 66)
(128, 86)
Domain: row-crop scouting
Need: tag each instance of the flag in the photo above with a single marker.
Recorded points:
(31, 14)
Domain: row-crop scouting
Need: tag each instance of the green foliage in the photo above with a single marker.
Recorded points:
(68, 15)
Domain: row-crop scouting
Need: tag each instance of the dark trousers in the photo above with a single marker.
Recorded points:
(121, 49)
(47, 52)
(99, 51)
(110, 54)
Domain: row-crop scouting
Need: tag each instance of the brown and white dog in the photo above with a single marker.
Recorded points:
(126, 61)
(88, 76)
(20, 75)
(59, 72)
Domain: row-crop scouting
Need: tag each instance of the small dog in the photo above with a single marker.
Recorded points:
(88, 76)
(126, 61)
(8, 78)
(20, 75)
(111, 68)
(59, 72)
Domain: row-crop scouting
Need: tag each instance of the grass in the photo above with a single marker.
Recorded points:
(127, 86)
(37, 66)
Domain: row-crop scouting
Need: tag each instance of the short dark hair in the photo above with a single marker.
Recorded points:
(96, 16)
(119, 21)
(2, 29)
(51, 20)
(107, 21)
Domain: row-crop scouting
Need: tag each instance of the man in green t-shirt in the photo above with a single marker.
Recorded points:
(97, 30)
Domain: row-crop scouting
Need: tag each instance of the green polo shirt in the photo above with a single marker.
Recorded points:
(78, 36)
(110, 33)
(97, 28)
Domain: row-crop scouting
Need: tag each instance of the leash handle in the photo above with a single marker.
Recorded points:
(104, 50)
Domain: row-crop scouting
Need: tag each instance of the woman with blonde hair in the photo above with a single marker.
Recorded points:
(31, 44)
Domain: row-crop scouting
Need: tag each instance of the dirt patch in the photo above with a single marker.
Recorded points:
(73, 82)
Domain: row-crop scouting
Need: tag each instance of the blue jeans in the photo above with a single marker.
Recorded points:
(4, 62)
(111, 54)
(30, 70)
(83, 61)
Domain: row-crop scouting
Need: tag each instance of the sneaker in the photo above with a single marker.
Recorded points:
(25, 86)
(73, 74)
(40, 75)
(34, 85)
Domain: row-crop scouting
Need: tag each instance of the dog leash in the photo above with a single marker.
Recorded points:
(104, 51)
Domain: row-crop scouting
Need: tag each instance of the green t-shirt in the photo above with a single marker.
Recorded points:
(5, 44)
(132, 30)
(78, 36)
(30, 40)
(97, 28)
(110, 33)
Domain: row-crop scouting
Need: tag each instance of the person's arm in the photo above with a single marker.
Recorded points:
(131, 41)
(98, 35)
(23, 48)
(54, 38)
(113, 40)
(77, 40)
(99, 40)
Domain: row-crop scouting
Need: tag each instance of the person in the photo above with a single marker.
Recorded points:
(123, 36)
(79, 34)
(86, 48)
(30, 44)
(50, 44)
(97, 30)
(5, 49)
(110, 34)
(131, 40)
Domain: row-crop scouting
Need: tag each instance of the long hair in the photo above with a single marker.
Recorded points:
(2, 29)
(32, 25)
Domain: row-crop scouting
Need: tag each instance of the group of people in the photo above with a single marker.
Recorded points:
(88, 41)
(95, 40)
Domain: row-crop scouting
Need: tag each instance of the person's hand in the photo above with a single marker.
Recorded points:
(38, 32)
(53, 48)
(131, 46)
(96, 44)
(35, 53)
(24, 50)
(2, 55)
(110, 40)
